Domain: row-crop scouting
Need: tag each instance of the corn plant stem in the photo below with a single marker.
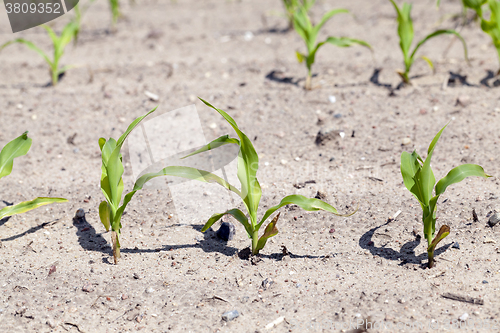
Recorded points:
(55, 76)
(308, 80)
(255, 240)
(430, 256)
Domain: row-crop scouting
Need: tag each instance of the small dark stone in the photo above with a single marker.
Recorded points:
(494, 219)
(370, 243)
(338, 115)
(485, 282)
(327, 134)
(226, 231)
(456, 246)
(320, 195)
(267, 283)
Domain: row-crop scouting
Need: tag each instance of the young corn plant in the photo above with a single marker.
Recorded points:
(15, 148)
(405, 32)
(419, 180)
(115, 10)
(59, 43)
(309, 33)
(250, 194)
(110, 210)
(291, 7)
(77, 19)
(491, 26)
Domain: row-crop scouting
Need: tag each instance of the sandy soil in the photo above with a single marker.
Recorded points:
(173, 278)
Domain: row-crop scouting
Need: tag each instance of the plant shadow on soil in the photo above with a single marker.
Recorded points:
(406, 254)
(90, 240)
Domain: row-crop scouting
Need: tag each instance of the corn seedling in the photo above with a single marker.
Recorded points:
(77, 19)
(405, 31)
(59, 43)
(291, 6)
(419, 180)
(15, 148)
(115, 10)
(110, 211)
(491, 26)
(248, 164)
(309, 33)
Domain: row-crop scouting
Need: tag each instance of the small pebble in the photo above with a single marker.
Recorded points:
(485, 282)
(405, 141)
(226, 231)
(80, 213)
(337, 116)
(494, 219)
(124, 296)
(230, 315)
(456, 246)
(332, 99)
(150, 290)
(248, 36)
(51, 323)
(151, 96)
(464, 317)
(463, 100)
(88, 288)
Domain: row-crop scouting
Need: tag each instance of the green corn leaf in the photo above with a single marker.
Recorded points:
(31, 46)
(409, 168)
(223, 140)
(324, 19)
(435, 34)
(114, 171)
(346, 42)
(122, 138)
(15, 148)
(429, 62)
(405, 28)
(106, 189)
(300, 56)
(309, 204)
(107, 149)
(426, 176)
(458, 174)
(236, 213)
(114, 165)
(105, 214)
(176, 171)
(28, 205)
(475, 5)
(492, 26)
(269, 232)
(51, 34)
(248, 164)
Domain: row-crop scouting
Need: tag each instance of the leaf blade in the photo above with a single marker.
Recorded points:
(28, 205)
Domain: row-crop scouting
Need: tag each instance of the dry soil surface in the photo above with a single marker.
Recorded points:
(321, 273)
